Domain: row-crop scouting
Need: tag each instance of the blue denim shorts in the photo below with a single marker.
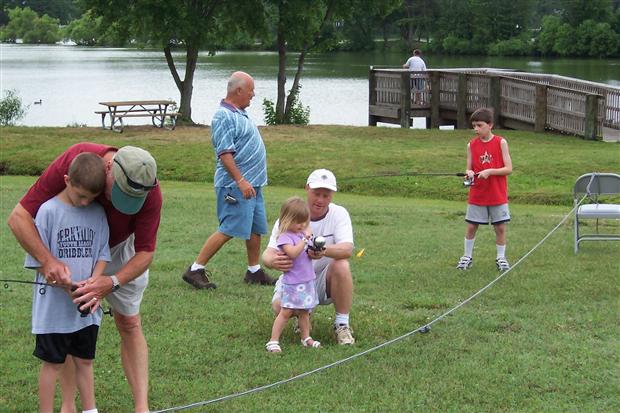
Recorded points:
(240, 217)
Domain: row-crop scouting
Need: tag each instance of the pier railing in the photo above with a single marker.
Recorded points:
(520, 100)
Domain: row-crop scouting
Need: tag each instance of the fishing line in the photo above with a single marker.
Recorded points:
(42, 291)
(422, 329)
(397, 174)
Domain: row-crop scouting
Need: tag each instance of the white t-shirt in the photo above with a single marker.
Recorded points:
(335, 227)
(415, 64)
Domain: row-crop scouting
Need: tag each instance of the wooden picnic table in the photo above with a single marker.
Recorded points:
(157, 110)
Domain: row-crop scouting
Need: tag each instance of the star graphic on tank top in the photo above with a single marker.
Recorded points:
(486, 158)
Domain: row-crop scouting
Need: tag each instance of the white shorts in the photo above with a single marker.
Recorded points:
(127, 299)
(320, 284)
(479, 214)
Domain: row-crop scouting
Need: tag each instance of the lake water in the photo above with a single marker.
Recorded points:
(71, 80)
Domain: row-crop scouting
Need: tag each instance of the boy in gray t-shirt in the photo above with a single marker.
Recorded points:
(76, 231)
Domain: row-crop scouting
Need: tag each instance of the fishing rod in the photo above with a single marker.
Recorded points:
(42, 291)
(466, 182)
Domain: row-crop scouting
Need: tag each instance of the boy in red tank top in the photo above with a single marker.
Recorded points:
(488, 165)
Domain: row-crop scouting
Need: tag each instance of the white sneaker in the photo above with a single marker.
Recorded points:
(502, 264)
(464, 263)
(344, 334)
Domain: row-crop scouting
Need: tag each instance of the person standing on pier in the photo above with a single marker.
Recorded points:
(416, 64)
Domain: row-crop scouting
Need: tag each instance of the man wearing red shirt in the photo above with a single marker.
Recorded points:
(132, 201)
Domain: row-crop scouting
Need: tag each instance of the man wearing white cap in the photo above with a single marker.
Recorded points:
(132, 202)
(334, 283)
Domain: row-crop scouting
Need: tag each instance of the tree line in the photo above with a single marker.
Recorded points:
(581, 28)
(461, 27)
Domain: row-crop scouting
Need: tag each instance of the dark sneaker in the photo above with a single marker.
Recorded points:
(259, 277)
(198, 279)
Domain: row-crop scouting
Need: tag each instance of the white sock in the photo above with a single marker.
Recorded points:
(469, 247)
(253, 268)
(196, 266)
(501, 251)
(91, 411)
(341, 319)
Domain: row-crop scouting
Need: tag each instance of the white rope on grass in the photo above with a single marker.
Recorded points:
(421, 329)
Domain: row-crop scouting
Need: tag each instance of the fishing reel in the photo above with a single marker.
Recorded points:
(469, 181)
(83, 313)
(317, 243)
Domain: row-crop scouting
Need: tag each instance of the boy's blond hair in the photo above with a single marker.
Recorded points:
(87, 171)
(482, 115)
(293, 211)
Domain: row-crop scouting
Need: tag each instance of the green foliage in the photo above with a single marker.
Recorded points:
(11, 108)
(298, 115)
(565, 44)
(590, 38)
(455, 45)
(85, 31)
(89, 30)
(596, 39)
(546, 38)
(516, 46)
(25, 24)
(499, 27)
(63, 10)
(576, 12)
(269, 111)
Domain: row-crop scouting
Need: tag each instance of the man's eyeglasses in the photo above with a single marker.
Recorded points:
(134, 184)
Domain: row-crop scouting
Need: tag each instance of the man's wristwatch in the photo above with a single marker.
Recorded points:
(115, 284)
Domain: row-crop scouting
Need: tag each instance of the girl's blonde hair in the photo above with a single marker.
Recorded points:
(293, 211)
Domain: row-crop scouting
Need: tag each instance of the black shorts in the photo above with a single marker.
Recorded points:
(54, 347)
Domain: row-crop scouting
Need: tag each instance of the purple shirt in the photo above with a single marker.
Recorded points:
(302, 270)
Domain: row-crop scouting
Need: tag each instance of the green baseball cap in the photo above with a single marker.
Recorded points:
(135, 174)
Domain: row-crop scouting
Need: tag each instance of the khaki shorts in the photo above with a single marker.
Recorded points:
(320, 284)
(127, 299)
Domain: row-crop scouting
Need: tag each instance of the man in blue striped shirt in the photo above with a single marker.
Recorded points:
(240, 174)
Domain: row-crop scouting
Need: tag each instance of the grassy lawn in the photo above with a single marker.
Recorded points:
(545, 165)
(545, 338)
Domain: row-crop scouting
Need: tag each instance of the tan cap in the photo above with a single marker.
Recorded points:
(135, 174)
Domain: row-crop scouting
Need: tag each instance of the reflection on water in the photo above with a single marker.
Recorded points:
(71, 80)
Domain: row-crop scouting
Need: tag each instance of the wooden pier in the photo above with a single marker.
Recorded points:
(525, 101)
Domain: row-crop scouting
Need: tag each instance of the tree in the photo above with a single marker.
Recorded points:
(11, 108)
(546, 38)
(365, 20)
(63, 10)
(192, 25)
(301, 25)
(597, 39)
(89, 30)
(565, 41)
(576, 12)
(417, 19)
(454, 27)
(25, 24)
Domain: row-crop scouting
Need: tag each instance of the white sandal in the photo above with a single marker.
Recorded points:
(273, 347)
(315, 344)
